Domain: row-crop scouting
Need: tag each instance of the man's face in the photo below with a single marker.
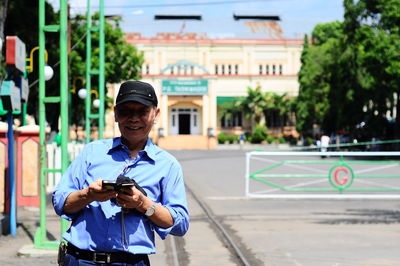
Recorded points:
(135, 120)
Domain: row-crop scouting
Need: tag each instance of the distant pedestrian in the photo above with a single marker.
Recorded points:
(324, 143)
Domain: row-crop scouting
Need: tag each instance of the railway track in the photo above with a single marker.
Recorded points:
(180, 251)
(227, 238)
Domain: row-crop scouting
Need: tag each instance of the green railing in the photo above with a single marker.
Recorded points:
(344, 146)
(342, 172)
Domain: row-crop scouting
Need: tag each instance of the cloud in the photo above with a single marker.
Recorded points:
(137, 12)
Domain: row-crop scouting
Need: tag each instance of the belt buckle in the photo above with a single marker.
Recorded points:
(101, 257)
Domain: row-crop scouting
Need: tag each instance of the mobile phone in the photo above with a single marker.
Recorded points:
(112, 185)
(109, 185)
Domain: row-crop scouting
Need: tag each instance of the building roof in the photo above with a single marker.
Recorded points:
(196, 27)
(173, 38)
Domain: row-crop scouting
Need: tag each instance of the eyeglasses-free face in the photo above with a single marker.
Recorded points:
(135, 121)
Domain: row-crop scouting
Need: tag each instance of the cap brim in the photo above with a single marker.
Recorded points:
(136, 99)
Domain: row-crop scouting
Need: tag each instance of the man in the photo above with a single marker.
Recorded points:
(117, 226)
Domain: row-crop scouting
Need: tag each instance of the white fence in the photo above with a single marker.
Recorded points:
(54, 161)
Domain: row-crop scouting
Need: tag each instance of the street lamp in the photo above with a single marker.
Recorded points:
(48, 71)
(82, 94)
(73, 90)
(96, 103)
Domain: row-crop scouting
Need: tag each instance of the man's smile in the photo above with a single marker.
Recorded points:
(133, 128)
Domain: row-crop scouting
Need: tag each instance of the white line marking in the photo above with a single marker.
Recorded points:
(227, 198)
(374, 183)
(333, 153)
(309, 196)
(307, 168)
(292, 165)
(264, 160)
(375, 168)
(293, 186)
(326, 196)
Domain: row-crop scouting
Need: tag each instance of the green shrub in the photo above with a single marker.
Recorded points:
(310, 141)
(270, 139)
(222, 137)
(291, 140)
(247, 136)
(281, 140)
(259, 134)
(231, 138)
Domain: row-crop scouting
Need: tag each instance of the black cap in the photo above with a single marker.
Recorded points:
(137, 91)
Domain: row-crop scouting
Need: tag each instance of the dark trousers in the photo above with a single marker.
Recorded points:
(70, 260)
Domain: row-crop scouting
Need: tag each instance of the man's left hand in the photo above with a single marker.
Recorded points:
(130, 198)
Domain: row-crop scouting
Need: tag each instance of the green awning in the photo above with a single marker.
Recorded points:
(224, 99)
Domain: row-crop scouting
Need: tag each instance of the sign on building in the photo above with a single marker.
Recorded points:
(185, 87)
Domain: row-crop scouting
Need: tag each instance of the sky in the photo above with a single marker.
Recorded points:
(297, 17)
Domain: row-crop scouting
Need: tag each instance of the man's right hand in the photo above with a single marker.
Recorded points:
(94, 192)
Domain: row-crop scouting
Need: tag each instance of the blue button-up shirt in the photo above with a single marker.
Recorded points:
(98, 226)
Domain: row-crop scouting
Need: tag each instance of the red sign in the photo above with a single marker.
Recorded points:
(15, 53)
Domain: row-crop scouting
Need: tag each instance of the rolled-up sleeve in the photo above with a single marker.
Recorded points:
(174, 199)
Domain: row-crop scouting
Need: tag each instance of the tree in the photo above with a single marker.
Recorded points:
(372, 29)
(284, 106)
(315, 77)
(253, 105)
(350, 72)
(229, 109)
(29, 35)
(3, 15)
(259, 105)
(122, 60)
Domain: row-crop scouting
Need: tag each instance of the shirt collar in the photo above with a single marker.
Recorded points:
(149, 148)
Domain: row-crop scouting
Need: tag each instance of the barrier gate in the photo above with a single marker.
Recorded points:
(322, 174)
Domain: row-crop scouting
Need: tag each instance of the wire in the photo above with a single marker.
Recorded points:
(178, 4)
(56, 64)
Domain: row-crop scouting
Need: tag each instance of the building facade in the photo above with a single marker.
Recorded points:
(193, 75)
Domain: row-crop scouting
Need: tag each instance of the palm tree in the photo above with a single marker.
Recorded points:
(258, 105)
(253, 105)
(281, 105)
(229, 109)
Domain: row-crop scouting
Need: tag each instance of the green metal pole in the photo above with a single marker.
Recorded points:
(24, 105)
(88, 69)
(40, 234)
(64, 91)
(24, 111)
(101, 70)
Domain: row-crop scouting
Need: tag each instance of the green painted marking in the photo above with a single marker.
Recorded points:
(310, 162)
(290, 175)
(268, 168)
(378, 176)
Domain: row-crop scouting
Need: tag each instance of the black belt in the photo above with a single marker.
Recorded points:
(105, 257)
